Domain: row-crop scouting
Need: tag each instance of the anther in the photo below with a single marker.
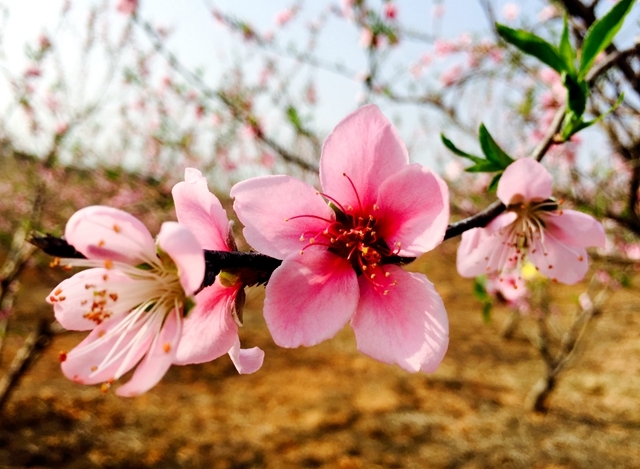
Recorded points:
(386, 274)
(55, 262)
(108, 264)
(117, 228)
(166, 347)
(62, 356)
(301, 237)
(375, 207)
(101, 243)
(386, 292)
(58, 291)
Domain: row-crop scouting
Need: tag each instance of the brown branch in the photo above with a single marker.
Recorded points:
(33, 345)
(239, 114)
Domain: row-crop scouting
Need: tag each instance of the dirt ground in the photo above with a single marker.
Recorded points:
(329, 406)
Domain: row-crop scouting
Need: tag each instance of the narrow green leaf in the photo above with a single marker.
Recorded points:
(565, 49)
(577, 92)
(533, 45)
(493, 185)
(491, 150)
(581, 125)
(486, 312)
(484, 166)
(601, 34)
(449, 144)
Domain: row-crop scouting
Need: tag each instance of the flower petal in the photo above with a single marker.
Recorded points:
(183, 247)
(559, 261)
(157, 360)
(365, 147)
(209, 330)
(309, 298)
(414, 210)
(408, 326)
(484, 250)
(264, 204)
(109, 351)
(524, 180)
(201, 211)
(101, 232)
(90, 297)
(576, 228)
(246, 361)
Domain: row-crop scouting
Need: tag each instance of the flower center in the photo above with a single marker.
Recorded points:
(526, 233)
(353, 235)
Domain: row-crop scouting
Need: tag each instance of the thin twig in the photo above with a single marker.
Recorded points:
(33, 345)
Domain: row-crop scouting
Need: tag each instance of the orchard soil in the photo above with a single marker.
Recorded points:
(329, 406)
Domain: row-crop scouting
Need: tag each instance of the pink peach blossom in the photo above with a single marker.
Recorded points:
(127, 7)
(390, 10)
(533, 228)
(510, 11)
(132, 299)
(210, 330)
(138, 299)
(340, 246)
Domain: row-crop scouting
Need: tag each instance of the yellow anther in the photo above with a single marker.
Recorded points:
(386, 292)
(386, 274)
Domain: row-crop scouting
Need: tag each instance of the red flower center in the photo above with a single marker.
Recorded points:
(353, 235)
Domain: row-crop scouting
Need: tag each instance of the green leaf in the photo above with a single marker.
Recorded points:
(491, 150)
(577, 92)
(577, 127)
(493, 185)
(484, 166)
(533, 45)
(479, 290)
(565, 49)
(294, 117)
(601, 34)
(486, 312)
(449, 144)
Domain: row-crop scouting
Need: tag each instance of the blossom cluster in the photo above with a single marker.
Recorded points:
(149, 305)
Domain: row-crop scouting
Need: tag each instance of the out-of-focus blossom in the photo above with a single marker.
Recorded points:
(443, 47)
(451, 75)
(437, 11)
(390, 10)
(127, 7)
(510, 11)
(284, 16)
(339, 257)
(548, 12)
(533, 228)
(33, 71)
(366, 38)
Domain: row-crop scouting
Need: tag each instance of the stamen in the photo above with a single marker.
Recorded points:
(354, 190)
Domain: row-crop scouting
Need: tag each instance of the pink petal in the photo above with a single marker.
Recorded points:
(524, 180)
(157, 360)
(101, 232)
(414, 210)
(246, 361)
(576, 229)
(201, 211)
(109, 351)
(365, 147)
(81, 296)
(209, 330)
(264, 204)
(559, 261)
(484, 250)
(309, 298)
(183, 247)
(408, 326)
